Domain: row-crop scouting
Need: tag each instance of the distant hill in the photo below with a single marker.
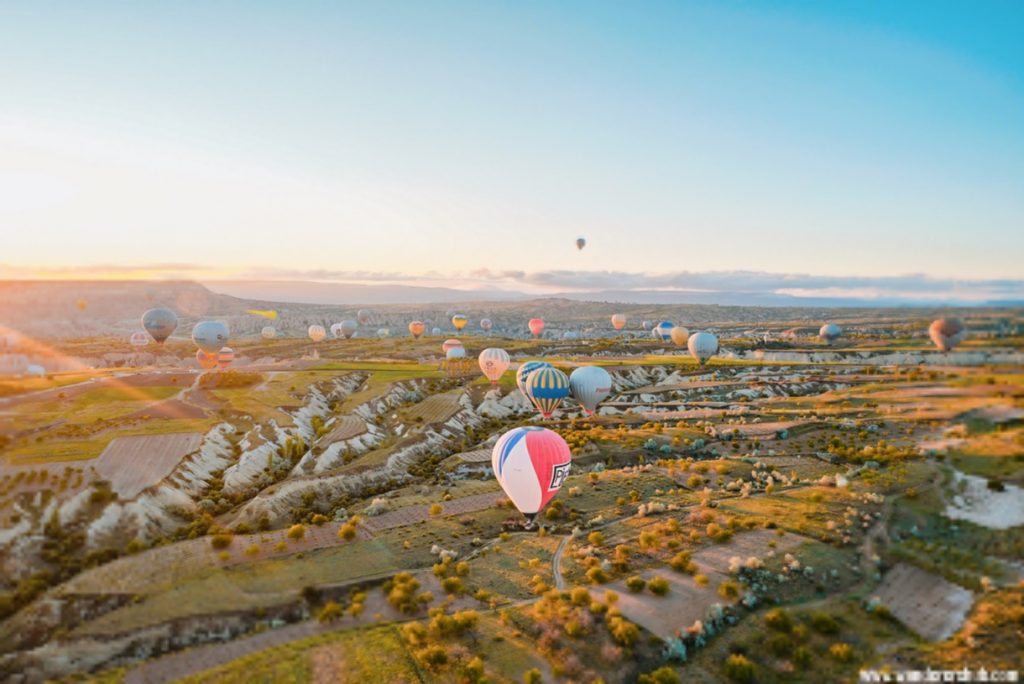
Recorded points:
(310, 292)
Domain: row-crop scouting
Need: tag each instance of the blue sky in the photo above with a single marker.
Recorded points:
(394, 139)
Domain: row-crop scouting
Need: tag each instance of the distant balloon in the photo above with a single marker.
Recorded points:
(524, 371)
(269, 315)
(494, 362)
(210, 336)
(946, 333)
(546, 388)
(679, 335)
(435, 332)
(459, 321)
(619, 321)
(139, 339)
(570, 335)
(590, 385)
(531, 464)
(455, 353)
(663, 331)
(347, 328)
(363, 317)
(450, 344)
(486, 324)
(416, 328)
(581, 243)
(268, 332)
(830, 332)
(536, 326)
(646, 325)
(225, 356)
(35, 370)
(82, 304)
(206, 360)
(383, 332)
(703, 346)
(160, 323)
(316, 333)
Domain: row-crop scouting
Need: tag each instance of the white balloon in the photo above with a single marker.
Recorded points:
(590, 385)
(494, 362)
(703, 346)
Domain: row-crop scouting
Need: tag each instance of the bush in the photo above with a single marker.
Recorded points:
(330, 612)
(636, 584)
(729, 589)
(841, 652)
(738, 668)
(436, 509)
(595, 538)
(533, 676)
(701, 580)
(663, 675)
(596, 575)
(623, 631)
(802, 657)
(347, 532)
(221, 541)
(778, 619)
(681, 563)
(824, 623)
(659, 586)
(296, 532)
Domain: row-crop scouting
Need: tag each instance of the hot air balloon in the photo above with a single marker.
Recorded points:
(459, 321)
(524, 371)
(570, 335)
(347, 328)
(486, 324)
(416, 328)
(450, 344)
(646, 325)
(82, 304)
(210, 336)
(530, 464)
(679, 335)
(590, 385)
(946, 333)
(225, 356)
(363, 317)
(383, 332)
(160, 323)
(703, 346)
(35, 370)
(536, 326)
(268, 332)
(830, 332)
(435, 332)
(494, 362)
(269, 315)
(546, 388)
(207, 360)
(581, 243)
(316, 333)
(619, 321)
(663, 331)
(455, 353)
(139, 339)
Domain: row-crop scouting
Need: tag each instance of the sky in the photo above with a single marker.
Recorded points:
(854, 144)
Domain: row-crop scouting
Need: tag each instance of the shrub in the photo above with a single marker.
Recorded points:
(728, 589)
(319, 519)
(596, 575)
(841, 652)
(623, 631)
(659, 586)
(663, 675)
(533, 676)
(778, 619)
(701, 580)
(221, 541)
(296, 531)
(595, 538)
(436, 509)
(738, 668)
(636, 584)
(681, 563)
(824, 623)
(802, 657)
(331, 612)
(347, 532)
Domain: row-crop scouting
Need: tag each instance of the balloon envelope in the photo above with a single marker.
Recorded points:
(269, 315)
(679, 335)
(383, 332)
(436, 332)
(946, 333)
(455, 353)
(546, 388)
(206, 360)
(450, 344)
(486, 324)
(646, 325)
(590, 385)
(225, 356)
(268, 332)
(536, 326)
(416, 328)
(35, 369)
(363, 316)
(493, 363)
(581, 243)
(531, 464)
(459, 321)
(703, 346)
(210, 336)
(347, 328)
(316, 332)
(160, 323)
(830, 332)
(663, 331)
(139, 339)
(524, 371)
(619, 321)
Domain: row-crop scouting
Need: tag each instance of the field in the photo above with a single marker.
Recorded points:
(865, 501)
